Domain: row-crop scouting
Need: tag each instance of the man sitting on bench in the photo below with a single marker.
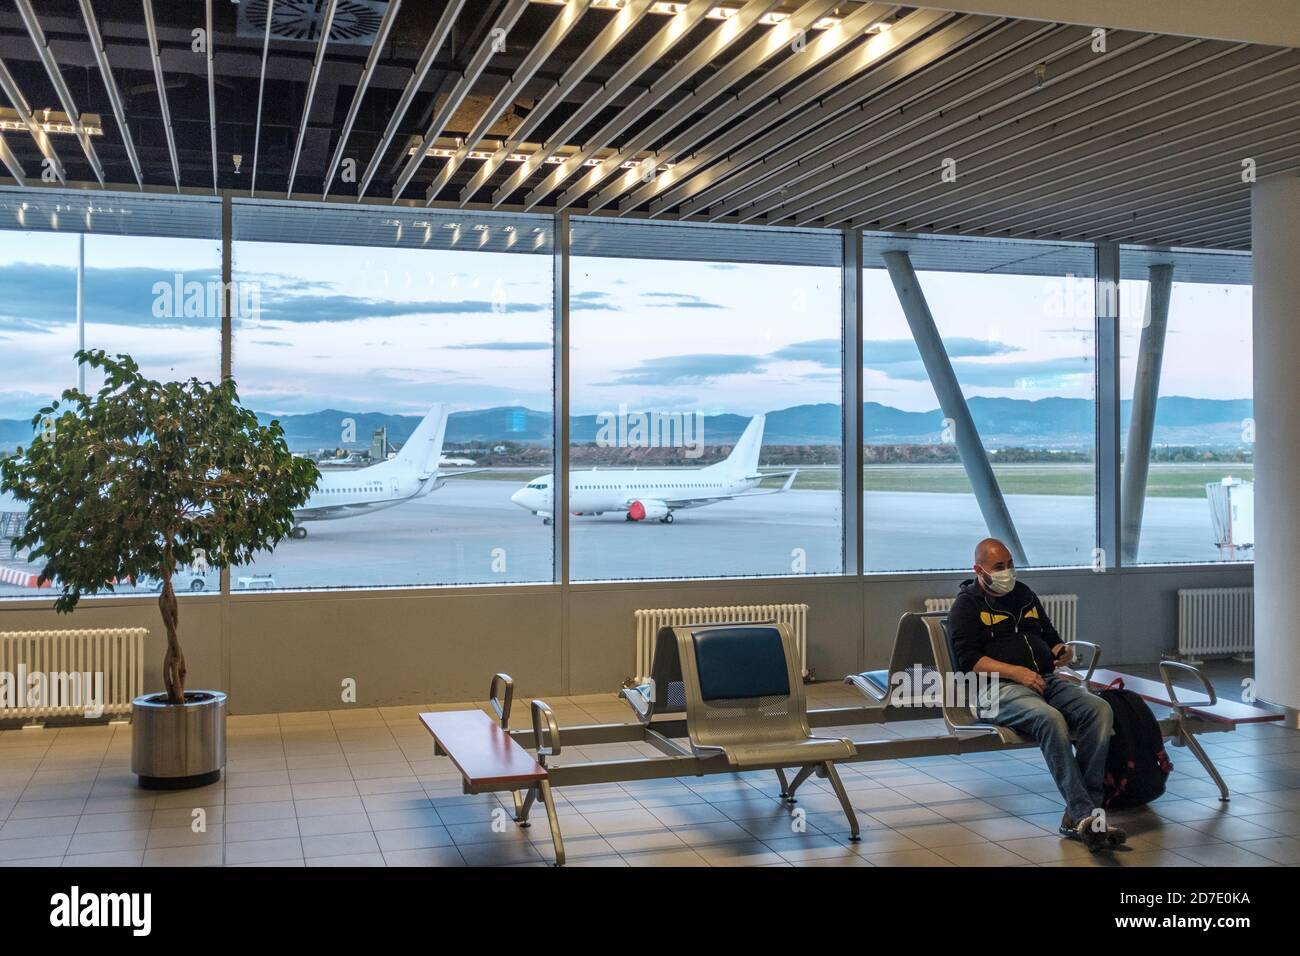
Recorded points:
(998, 626)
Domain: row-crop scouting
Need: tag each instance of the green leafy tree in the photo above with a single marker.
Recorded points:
(145, 477)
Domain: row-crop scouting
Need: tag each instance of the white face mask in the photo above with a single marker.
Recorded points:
(1000, 582)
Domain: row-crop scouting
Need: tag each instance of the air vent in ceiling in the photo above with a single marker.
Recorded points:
(355, 21)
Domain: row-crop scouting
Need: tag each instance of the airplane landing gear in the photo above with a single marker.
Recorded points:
(546, 521)
(667, 519)
(298, 533)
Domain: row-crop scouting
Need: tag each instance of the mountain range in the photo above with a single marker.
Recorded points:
(1065, 423)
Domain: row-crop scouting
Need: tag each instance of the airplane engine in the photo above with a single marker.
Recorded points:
(649, 510)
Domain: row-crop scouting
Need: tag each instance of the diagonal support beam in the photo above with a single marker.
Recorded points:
(944, 380)
(717, 42)
(156, 58)
(326, 26)
(24, 111)
(363, 84)
(678, 26)
(764, 167)
(537, 54)
(514, 9)
(110, 86)
(436, 39)
(261, 90)
(212, 91)
(759, 97)
(11, 162)
(1142, 416)
(1060, 140)
(46, 56)
(717, 83)
(869, 72)
(627, 17)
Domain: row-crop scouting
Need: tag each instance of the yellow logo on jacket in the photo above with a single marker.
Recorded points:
(990, 619)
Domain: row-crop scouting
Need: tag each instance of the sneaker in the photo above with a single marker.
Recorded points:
(1094, 840)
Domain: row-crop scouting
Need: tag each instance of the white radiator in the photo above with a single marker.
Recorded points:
(1062, 609)
(70, 673)
(648, 622)
(1216, 621)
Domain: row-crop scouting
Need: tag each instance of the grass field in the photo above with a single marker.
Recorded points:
(1163, 481)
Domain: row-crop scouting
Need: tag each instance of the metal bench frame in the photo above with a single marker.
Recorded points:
(663, 731)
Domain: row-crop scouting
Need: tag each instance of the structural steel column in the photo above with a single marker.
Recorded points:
(944, 380)
(1275, 245)
(1142, 415)
(1107, 404)
(851, 483)
(227, 278)
(560, 423)
(81, 308)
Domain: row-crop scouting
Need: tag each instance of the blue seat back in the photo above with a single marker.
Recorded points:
(740, 663)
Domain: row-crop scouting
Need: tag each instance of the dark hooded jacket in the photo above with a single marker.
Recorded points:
(1013, 628)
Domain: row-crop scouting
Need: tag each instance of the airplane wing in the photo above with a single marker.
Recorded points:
(789, 481)
(460, 472)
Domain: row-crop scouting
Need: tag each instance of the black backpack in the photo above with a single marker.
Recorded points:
(1137, 765)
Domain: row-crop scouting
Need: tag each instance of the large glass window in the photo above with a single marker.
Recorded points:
(1186, 367)
(150, 270)
(1016, 325)
(705, 399)
(409, 354)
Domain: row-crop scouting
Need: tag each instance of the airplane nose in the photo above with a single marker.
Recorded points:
(520, 498)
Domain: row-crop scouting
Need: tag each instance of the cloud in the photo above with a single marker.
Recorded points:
(677, 300)
(41, 296)
(825, 352)
(697, 369)
(878, 352)
(348, 308)
(882, 354)
(505, 346)
(591, 302)
(1047, 373)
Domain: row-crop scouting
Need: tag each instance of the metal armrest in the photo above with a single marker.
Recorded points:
(1165, 667)
(542, 712)
(499, 704)
(1093, 660)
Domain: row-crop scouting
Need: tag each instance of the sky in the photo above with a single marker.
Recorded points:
(394, 330)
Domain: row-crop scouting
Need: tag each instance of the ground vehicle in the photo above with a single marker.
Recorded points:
(256, 582)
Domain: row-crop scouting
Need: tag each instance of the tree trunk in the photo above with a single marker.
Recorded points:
(174, 660)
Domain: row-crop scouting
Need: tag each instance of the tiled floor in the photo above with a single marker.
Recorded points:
(362, 787)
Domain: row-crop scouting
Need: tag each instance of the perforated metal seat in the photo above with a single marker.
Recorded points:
(744, 701)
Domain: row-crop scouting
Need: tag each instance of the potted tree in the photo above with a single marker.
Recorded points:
(134, 482)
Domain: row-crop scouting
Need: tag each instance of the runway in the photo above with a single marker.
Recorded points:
(469, 532)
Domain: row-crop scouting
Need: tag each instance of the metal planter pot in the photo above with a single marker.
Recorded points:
(177, 746)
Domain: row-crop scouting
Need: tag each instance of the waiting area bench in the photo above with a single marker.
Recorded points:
(923, 642)
(490, 761)
(729, 698)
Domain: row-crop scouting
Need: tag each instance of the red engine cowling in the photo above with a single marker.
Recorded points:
(646, 510)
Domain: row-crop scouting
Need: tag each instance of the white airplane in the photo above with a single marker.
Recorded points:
(412, 473)
(648, 494)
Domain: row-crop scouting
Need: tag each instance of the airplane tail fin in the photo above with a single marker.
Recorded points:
(744, 456)
(423, 449)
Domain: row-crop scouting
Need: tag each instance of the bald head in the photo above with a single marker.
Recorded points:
(992, 555)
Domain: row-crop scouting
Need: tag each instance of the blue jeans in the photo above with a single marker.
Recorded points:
(1049, 719)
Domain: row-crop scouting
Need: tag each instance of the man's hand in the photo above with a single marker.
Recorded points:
(1064, 654)
(1031, 679)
